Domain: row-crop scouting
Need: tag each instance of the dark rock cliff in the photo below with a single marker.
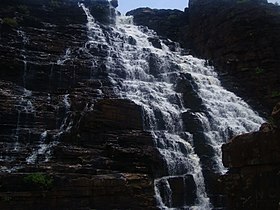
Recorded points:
(240, 38)
(254, 165)
(70, 143)
(171, 24)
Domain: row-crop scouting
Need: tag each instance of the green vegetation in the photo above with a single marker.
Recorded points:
(172, 17)
(23, 9)
(245, 69)
(275, 94)
(259, 70)
(55, 3)
(38, 179)
(10, 22)
(271, 121)
(6, 198)
(242, 1)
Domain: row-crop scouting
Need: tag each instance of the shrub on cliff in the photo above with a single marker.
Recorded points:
(12, 22)
(40, 180)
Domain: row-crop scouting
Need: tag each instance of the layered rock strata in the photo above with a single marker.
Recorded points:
(253, 159)
(66, 141)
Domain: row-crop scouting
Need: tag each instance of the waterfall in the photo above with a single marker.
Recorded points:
(147, 71)
(227, 115)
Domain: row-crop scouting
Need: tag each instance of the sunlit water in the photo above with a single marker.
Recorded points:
(147, 75)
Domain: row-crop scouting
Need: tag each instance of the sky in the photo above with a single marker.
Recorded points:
(127, 5)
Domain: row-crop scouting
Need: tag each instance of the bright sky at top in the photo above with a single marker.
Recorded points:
(127, 5)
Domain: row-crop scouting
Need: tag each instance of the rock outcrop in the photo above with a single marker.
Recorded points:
(253, 159)
(66, 140)
(171, 24)
(240, 38)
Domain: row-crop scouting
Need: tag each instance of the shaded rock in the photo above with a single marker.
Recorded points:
(59, 115)
(78, 192)
(155, 42)
(191, 122)
(252, 181)
(266, 127)
(115, 3)
(264, 149)
(171, 24)
(187, 87)
(114, 114)
(182, 191)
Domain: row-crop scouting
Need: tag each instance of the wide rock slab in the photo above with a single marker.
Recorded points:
(78, 192)
(252, 149)
(114, 114)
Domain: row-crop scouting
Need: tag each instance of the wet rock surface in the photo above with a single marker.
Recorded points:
(241, 39)
(183, 191)
(66, 140)
(252, 181)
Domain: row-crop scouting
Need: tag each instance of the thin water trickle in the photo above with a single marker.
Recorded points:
(42, 148)
(64, 58)
(24, 107)
(25, 41)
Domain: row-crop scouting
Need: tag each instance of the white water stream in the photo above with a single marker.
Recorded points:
(147, 75)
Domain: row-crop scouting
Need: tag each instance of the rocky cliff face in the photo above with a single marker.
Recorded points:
(253, 161)
(66, 138)
(241, 38)
(171, 24)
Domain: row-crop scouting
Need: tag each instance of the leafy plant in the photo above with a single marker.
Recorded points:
(55, 3)
(275, 94)
(271, 121)
(6, 198)
(10, 22)
(242, 1)
(259, 70)
(23, 9)
(40, 180)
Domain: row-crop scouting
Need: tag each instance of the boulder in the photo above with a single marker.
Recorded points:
(253, 159)
(182, 191)
(258, 148)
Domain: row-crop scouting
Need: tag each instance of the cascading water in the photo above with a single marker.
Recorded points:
(145, 71)
(227, 115)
